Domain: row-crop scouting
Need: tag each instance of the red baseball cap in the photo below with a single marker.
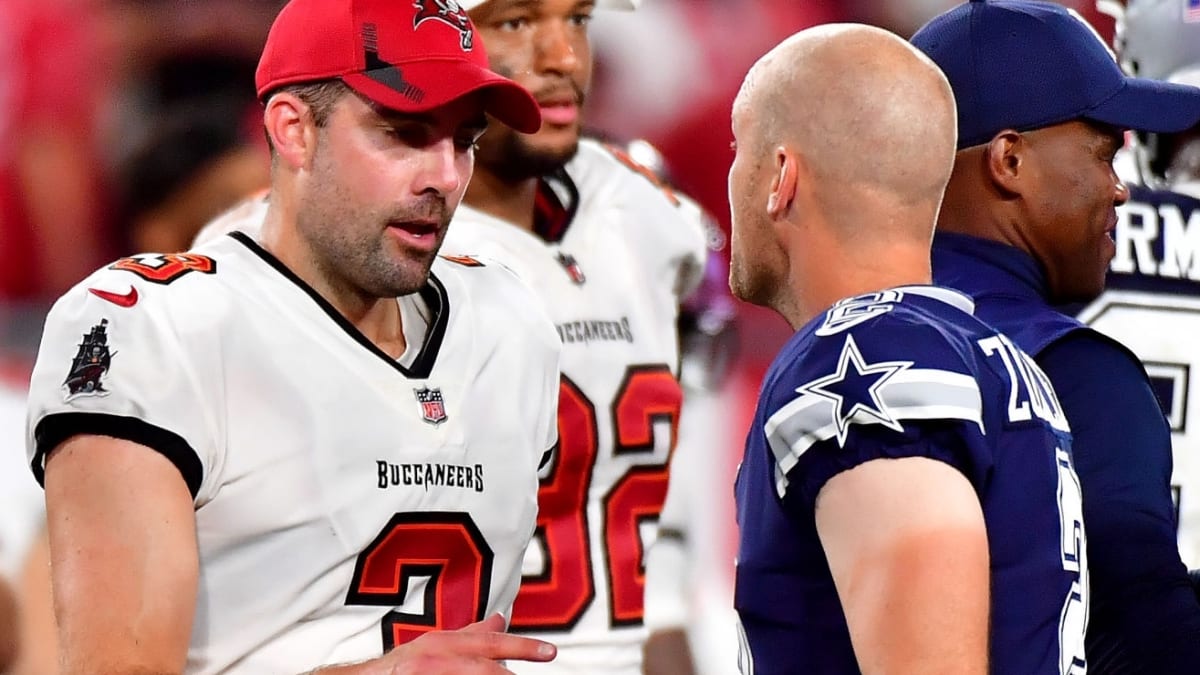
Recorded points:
(603, 4)
(405, 55)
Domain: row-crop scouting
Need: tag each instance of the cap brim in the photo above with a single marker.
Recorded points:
(1150, 105)
(421, 86)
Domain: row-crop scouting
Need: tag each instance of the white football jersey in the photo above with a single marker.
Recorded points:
(612, 284)
(345, 501)
(1151, 304)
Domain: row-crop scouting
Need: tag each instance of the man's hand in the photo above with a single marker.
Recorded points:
(667, 652)
(478, 649)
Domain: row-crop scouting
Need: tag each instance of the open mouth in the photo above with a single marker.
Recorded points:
(559, 109)
(416, 229)
(417, 235)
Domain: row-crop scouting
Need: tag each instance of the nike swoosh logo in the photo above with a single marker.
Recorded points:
(122, 300)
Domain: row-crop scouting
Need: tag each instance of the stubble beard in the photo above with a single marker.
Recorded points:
(515, 158)
(746, 282)
(351, 248)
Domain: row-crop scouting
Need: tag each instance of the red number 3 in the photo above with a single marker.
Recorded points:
(558, 598)
(448, 550)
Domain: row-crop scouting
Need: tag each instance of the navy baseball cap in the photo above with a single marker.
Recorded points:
(1024, 65)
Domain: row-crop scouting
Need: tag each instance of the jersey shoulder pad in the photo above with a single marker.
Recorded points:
(897, 362)
(498, 297)
(177, 289)
(633, 168)
(885, 323)
(883, 373)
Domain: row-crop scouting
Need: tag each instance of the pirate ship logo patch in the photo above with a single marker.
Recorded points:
(433, 410)
(90, 365)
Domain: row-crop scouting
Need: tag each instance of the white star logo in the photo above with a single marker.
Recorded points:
(854, 388)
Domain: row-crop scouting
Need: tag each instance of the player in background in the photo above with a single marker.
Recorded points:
(907, 479)
(320, 446)
(1026, 226)
(1151, 301)
(689, 569)
(611, 252)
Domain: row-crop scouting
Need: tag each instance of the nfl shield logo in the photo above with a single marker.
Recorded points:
(432, 409)
(572, 267)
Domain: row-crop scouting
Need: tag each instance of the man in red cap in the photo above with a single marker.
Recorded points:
(281, 452)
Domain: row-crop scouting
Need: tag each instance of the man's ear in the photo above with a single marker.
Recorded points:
(1005, 160)
(290, 128)
(783, 182)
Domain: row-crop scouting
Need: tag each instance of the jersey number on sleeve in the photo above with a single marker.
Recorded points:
(557, 599)
(443, 553)
(163, 269)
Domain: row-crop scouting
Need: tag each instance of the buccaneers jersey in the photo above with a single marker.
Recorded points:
(611, 258)
(1152, 305)
(909, 372)
(345, 501)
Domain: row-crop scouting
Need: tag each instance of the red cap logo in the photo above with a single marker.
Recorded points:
(448, 12)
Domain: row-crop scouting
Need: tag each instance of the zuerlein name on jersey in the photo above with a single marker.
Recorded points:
(595, 330)
(430, 475)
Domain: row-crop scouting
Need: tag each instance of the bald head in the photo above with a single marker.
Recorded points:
(865, 110)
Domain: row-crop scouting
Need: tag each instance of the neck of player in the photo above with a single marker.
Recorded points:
(377, 318)
(822, 275)
(509, 200)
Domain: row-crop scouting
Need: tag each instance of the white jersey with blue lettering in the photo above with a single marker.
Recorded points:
(345, 501)
(1151, 304)
(613, 255)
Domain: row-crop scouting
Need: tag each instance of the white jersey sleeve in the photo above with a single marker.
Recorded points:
(693, 259)
(152, 390)
(674, 228)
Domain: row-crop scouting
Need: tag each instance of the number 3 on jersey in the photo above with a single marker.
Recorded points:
(557, 599)
(447, 551)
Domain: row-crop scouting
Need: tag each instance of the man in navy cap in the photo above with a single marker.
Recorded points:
(1026, 225)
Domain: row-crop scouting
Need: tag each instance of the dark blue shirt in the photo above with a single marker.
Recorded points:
(907, 373)
(1144, 616)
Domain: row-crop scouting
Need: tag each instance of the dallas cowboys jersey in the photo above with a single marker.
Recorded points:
(908, 372)
(345, 501)
(610, 267)
(1152, 306)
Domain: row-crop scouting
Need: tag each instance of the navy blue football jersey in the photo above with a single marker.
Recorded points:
(1152, 306)
(900, 373)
